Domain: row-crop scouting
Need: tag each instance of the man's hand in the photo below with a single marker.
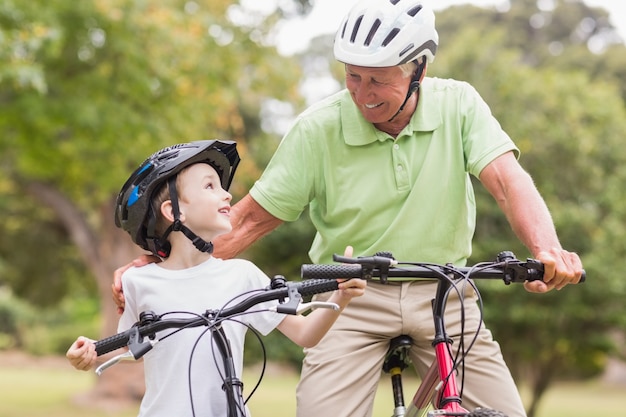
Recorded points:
(116, 287)
(560, 268)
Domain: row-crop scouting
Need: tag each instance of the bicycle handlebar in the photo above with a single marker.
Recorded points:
(280, 289)
(506, 267)
(321, 278)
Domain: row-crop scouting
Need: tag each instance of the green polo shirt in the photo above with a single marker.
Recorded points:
(411, 196)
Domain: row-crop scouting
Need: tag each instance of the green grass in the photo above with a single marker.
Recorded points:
(584, 399)
(49, 393)
(276, 398)
(39, 390)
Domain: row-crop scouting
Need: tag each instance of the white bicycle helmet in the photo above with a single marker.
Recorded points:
(386, 33)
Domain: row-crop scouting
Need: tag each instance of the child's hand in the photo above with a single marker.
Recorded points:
(353, 287)
(82, 354)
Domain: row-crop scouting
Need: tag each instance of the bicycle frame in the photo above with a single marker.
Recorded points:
(441, 376)
(233, 387)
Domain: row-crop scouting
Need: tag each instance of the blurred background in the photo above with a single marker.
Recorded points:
(88, 89)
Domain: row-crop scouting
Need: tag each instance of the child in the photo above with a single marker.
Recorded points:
(173, 205)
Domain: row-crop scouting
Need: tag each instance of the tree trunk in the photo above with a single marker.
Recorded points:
(543, 375)
(103, 251)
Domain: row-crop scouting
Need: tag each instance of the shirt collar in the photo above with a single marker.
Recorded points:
(358, 132)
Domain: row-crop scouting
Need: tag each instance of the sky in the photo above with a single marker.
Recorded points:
(327, 14)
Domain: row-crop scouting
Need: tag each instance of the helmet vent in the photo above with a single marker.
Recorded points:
(414, 10)
(166, 151)
(392, 34)
(407, 49)
(355, 30)
(373, 30)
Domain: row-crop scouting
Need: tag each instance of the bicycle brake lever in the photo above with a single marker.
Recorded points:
(518, 271)
(302, 307)
(136, 349)
(114, 360)
(131, 354)
(316, 304)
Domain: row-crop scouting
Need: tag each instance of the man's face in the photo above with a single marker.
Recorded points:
(377, 92)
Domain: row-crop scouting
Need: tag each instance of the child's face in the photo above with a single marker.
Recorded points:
(204, 204)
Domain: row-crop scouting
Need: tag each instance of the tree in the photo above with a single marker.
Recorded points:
(89, 89)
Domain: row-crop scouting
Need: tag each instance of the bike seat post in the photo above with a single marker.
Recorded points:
(397, 360)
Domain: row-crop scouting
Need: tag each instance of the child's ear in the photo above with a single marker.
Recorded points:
(166, 210)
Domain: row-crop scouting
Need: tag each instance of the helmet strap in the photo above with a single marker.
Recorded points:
(413, 86)
(178, 226)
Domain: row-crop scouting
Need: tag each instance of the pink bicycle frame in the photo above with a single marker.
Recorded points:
(440, 380)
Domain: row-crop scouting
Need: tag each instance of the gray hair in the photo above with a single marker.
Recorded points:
(409, 68)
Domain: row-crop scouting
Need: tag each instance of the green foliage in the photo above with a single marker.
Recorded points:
(41, 265)
(122, 79)
(44, 331)
(88, 90)
(283, 251)
(13, 312)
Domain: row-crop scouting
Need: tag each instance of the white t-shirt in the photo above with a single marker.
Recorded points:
(204, 287)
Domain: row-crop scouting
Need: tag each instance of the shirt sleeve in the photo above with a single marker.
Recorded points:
(287, 185)
(483, 137)
(129, 317)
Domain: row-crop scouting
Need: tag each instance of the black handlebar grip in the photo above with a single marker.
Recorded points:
(317, 286)
(537, 275)
(112, 343)
(323, 271)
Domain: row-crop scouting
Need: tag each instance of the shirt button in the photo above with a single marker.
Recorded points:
(399, 168)
(396, 146)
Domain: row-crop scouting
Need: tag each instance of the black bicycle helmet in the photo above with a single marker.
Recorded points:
(133, 209)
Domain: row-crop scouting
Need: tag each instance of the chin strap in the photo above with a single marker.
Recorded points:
(413, 87)
(178, 226)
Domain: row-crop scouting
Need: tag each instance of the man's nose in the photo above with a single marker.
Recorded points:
(362, 93)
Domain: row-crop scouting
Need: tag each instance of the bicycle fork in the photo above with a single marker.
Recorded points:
(448, 396)
(232, 386)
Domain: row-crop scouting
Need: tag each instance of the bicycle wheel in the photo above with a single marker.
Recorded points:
(486, 412)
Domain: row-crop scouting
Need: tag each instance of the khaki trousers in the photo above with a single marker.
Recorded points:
(340, 375)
